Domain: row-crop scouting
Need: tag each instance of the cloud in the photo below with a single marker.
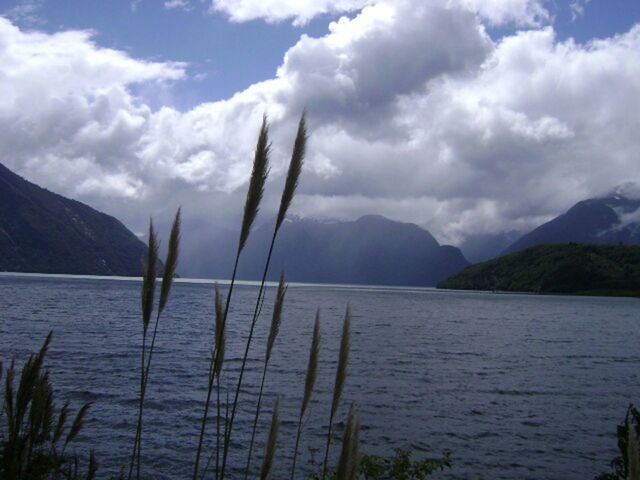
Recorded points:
(542, 125)
(497, 12)
(68, 118)
(300, 11)
(501, 12)
(630, 190)
(178, 5)
(26, 12)
(133, 6)
(414, 112)
(363, 65)
(577, 9)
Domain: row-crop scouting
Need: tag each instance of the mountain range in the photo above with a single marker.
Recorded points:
(43, 232)
(592, 248)
(610, 220)
(370, 250)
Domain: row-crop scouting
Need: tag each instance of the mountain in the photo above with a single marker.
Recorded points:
(564, 268)
(41, 231)
(482, 247)
(370, 250)
(609, 221)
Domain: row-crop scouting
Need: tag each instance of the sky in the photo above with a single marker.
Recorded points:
(463, 116)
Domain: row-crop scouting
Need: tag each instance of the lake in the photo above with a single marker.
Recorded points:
(514, 386)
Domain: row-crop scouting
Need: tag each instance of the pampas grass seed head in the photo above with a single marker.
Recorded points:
(354, 453)
(62, 420)
(312, 366)
(343, 360)
(93, 466)
(149, 278)
(276, 319)
(272, 440)
(346, 460)
(219, 334)
(77, 424)
(259, 175)
(295, 167)
(171, 262)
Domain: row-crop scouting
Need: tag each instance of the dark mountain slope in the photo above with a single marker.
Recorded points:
(41, 231)
(606, 221)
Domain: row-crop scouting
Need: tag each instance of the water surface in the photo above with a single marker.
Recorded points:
(514, 386)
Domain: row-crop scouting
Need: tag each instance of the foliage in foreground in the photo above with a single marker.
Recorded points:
(399, 467)
(33, 438)
(626, 466)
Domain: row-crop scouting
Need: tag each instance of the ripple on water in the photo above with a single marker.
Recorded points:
(514, 386)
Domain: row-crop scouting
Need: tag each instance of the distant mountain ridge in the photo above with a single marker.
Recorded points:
(370, 250)
(610, 220)
(44, 232)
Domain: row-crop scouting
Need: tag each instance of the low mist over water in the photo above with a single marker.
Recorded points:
(514, 386)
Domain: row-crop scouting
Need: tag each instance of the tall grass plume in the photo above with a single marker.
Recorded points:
(309, 382)
(341, 375)
(259, 173)
(272, 440)
(149, 278)
(276, 320)
(171, 262)
(258, 179)
(148, 289)
(349, 453)
(295, 167)
(220, 336)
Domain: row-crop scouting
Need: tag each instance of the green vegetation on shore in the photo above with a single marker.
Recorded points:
(564, 268)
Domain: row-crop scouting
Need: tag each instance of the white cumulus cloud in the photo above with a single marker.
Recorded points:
(414, 112)
(497, 12)
(68, 119)
(300, 11)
